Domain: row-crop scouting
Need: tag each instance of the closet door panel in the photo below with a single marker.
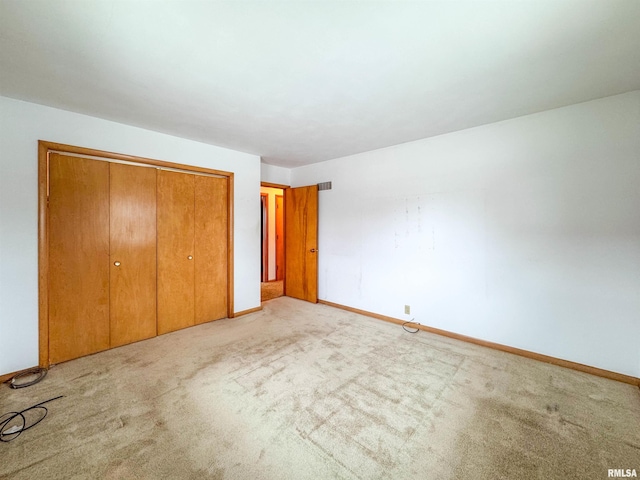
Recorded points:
(133, 253)
(175, 197)
(78, 257)
(211, 230)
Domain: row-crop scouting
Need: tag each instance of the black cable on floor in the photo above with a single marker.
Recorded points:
(404, 326)
(40, 372)
(10, 432)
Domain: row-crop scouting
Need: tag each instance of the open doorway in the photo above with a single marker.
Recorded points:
(272, 242)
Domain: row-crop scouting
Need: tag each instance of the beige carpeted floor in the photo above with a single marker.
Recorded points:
(301, 391)
(271, 290)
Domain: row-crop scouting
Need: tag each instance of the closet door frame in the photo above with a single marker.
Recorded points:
(44, 149)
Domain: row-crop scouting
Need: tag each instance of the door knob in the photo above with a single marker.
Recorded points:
(190, 257)
(117, 264)
(313, 250)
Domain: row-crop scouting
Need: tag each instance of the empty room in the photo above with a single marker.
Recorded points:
(319, 239)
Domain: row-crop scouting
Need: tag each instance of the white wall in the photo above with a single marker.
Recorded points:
(524, 232)
(271, 226)
(21, 126)
(274, 174)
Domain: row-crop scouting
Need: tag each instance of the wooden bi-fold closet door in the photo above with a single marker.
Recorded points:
(102, 255)
(211, 233)
(78, 257)
(133, 253)
(192, 250)
(176, 223)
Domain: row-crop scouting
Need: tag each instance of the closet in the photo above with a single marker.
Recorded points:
(134, 251)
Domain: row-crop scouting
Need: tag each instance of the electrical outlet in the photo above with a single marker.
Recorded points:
(407, 310)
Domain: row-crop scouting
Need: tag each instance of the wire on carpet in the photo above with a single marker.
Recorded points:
(10, 430)
(410, 322)
(40, 372)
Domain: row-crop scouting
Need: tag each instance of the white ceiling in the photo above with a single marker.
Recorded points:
(302, 82)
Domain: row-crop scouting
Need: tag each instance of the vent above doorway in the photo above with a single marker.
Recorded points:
(324, 186)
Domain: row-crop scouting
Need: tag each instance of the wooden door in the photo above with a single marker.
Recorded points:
(176, 296)
(133, 253)
(301, 243)
(264, 237)
(279, 237)
(78, 257)
(211, 234)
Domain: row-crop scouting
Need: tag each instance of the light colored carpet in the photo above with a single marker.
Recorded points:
(271, 290)
(302, 391)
